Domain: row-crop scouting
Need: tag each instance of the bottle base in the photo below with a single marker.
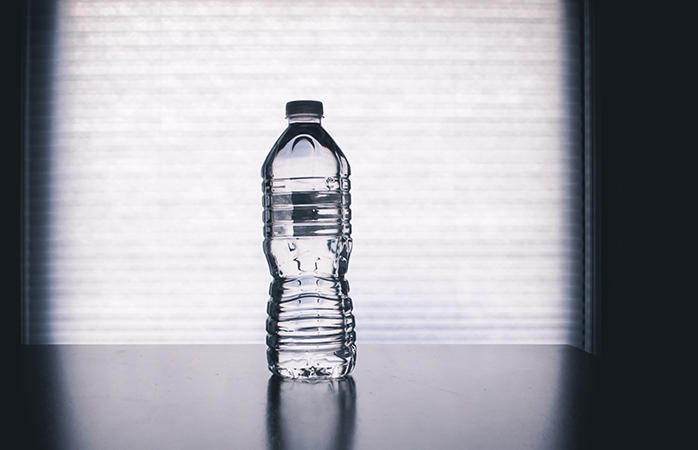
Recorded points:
(310, 365)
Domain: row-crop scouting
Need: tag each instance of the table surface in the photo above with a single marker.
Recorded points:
(222, 396)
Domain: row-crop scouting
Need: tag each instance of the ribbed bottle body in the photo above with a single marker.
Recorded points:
(310, 325)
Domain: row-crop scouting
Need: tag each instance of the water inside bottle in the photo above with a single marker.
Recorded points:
(310, 326)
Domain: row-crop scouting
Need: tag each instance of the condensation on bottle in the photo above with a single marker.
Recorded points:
(307, 243)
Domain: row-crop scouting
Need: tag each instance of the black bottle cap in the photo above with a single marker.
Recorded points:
(304, 107)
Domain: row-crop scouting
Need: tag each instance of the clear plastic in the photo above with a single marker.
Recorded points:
(310, 325)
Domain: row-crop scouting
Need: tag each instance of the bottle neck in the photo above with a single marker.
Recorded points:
(304, 118)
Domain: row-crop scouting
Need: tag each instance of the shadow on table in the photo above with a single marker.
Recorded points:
(319, 414)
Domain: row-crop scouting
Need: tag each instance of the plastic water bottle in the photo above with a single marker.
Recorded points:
(310, 326)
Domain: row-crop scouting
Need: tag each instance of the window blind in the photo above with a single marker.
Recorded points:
(148, 122)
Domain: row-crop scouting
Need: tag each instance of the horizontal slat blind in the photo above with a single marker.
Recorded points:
(149, 122)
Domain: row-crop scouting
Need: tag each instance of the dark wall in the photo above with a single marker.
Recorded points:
(646, 198)
(644, 203)
(11, 41)
(11, 45)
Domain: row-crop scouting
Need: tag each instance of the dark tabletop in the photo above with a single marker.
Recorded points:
(223, 397)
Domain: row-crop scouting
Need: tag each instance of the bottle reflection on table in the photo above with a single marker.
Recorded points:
(310, 414)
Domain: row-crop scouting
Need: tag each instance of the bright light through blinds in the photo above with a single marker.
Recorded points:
(461, 121)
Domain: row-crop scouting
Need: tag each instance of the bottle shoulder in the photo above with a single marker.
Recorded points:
(305, 150)
(314, 130)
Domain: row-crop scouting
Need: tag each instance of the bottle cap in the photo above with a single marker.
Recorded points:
(304, 107)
